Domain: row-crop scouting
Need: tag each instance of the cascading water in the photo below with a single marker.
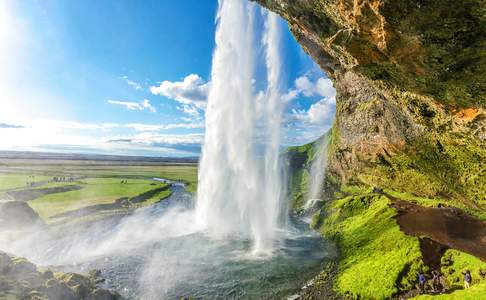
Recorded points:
(240, 189)
(317, 173)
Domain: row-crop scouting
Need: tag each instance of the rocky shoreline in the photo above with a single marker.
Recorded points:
(21, 279)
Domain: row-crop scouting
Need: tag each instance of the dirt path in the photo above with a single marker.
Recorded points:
(444, 228)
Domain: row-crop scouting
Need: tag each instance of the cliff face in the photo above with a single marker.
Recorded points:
(411, 91)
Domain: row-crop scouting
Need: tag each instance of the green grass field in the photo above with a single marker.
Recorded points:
(99, 182)
(14, 181)
(93, 191)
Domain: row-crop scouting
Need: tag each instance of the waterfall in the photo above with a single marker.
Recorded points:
(317, 172)
(240, 185)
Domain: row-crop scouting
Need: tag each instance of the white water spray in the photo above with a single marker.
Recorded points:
(240, 190)
(317, 173)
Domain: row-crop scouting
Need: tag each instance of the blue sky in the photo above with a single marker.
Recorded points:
(127, 77)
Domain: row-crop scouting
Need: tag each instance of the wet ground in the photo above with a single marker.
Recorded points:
(444, 227)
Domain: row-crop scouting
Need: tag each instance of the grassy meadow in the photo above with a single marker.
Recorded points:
(89, 187)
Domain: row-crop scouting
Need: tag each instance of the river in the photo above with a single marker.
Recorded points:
(157, 253)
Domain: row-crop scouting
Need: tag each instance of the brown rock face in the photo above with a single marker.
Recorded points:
(410, 75)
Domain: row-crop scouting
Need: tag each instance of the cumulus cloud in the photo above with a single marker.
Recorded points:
(193, 90)
(190, 110)
(309, 124)
(319, 113)
(305, 86)
(144, 105)
(137, 86)
(322, 87)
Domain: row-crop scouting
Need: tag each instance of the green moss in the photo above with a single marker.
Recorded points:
(298, 189)
(376, 260)
(475, 292)
(449, 167)
(454, 263)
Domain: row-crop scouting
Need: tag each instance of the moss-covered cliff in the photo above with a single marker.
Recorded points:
(410, 77)
(411, 90)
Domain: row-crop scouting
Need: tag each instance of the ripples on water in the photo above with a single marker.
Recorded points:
(158, 254)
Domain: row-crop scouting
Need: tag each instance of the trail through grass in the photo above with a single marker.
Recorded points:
(93, 191)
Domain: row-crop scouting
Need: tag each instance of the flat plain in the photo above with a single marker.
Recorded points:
(61, 190)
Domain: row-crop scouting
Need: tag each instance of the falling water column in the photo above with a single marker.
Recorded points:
(239, 191)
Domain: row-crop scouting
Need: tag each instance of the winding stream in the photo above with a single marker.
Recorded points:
(157, 253)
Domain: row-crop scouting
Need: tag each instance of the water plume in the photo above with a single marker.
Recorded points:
(240, 189)
(317, 173)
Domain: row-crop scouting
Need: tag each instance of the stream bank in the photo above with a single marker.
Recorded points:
(158, 252)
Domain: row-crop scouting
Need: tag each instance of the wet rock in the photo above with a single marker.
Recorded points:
(95, 276)
(5, 263)
(54, 289)
(47, 274)
(18, 214)
(21, 279)
(21, 267)
(100, 294)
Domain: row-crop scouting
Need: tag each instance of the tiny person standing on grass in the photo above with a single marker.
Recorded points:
(467, 279)
(422, 280)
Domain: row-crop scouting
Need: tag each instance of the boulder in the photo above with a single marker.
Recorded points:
(21, 279)
(15, 214)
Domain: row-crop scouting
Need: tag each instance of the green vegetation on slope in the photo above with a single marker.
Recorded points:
(298, 159)
(454, 263)
(448, 167)
(475, 292)
(376, 260)
(94, 191)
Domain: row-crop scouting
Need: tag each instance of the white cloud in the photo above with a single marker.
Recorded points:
(319, 113)
(322, 87)
(190, 110)
(325, 88)
(322, 112)
(290, 95)
(144, 127)
(305, 86)
(317, 119)
(185, 125)
(137, 86)
(145, 104)
(191, 91)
